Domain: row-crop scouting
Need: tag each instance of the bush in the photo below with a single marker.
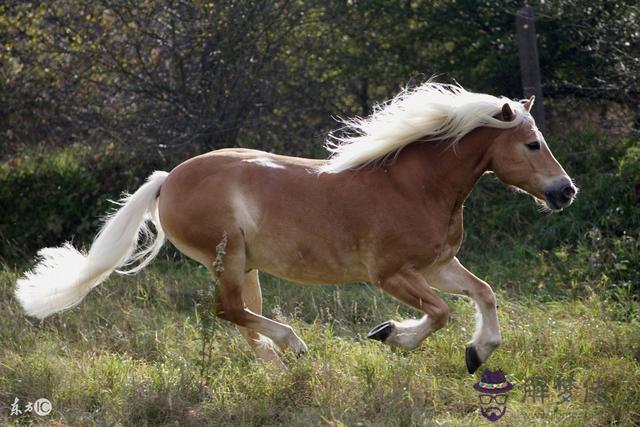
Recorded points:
(605, 171)
(49, 197)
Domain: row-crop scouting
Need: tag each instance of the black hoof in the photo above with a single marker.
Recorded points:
(381, 332)
(472, 359)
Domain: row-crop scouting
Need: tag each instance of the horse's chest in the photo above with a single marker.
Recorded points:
(443, 242)
(450, 239)
(422, 244)
(454, 231)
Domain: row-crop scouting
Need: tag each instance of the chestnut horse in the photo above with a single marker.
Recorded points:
(385, 208)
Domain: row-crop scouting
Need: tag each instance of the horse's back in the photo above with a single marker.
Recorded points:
(276, 206)
(292, 221)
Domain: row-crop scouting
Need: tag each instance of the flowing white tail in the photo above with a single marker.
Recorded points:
(63, 276)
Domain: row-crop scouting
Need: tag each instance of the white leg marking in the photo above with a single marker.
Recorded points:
(453, 278)
(408, 334)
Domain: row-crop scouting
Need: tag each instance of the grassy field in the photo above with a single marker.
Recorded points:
(137, 350)
(131, 354)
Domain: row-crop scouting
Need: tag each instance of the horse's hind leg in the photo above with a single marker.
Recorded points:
(252, 297)
(231, 306)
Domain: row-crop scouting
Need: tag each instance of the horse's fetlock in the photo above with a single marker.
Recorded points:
(487, 297)
(293, 342)
(487, 346)
(291, 335)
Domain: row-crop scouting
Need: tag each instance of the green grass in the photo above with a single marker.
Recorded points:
(130, 355)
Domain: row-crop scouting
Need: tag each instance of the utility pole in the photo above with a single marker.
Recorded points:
(529, 63)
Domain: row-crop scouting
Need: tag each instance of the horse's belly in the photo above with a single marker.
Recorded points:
(316, 277)
(299, 264)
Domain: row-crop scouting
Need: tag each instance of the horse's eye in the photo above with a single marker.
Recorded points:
(533, 146)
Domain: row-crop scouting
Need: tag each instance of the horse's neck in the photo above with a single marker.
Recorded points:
(449, 174)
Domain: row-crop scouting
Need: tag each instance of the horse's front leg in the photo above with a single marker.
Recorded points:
(455, 279)
(411, 288)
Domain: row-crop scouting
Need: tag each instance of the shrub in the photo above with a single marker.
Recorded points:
(606, 172)
(47, 197)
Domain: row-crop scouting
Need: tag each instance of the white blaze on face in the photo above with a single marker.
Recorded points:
(264, 161)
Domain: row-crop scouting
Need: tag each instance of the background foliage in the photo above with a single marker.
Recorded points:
(96, 95)
(187, 76)
(133, 86)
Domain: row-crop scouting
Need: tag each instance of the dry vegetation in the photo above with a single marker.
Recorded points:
(130, 355)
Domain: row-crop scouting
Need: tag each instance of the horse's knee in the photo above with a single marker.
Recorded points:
(439, 316)
(229, 304)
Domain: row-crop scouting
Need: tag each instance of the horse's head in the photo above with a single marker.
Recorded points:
(521, 157)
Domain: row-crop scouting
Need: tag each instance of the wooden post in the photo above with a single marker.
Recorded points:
(529, 65)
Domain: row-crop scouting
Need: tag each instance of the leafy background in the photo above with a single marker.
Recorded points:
(96, 95)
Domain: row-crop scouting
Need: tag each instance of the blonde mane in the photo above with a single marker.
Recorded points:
(431, 111)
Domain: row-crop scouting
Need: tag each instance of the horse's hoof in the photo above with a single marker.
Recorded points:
(381, 332)
(472, 359)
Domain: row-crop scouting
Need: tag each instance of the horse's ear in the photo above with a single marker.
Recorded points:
(507, 113)
(528, 103)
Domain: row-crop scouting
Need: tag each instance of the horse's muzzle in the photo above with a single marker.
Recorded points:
(560, 194)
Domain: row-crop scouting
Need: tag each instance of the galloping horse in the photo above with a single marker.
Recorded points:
(386, 207)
